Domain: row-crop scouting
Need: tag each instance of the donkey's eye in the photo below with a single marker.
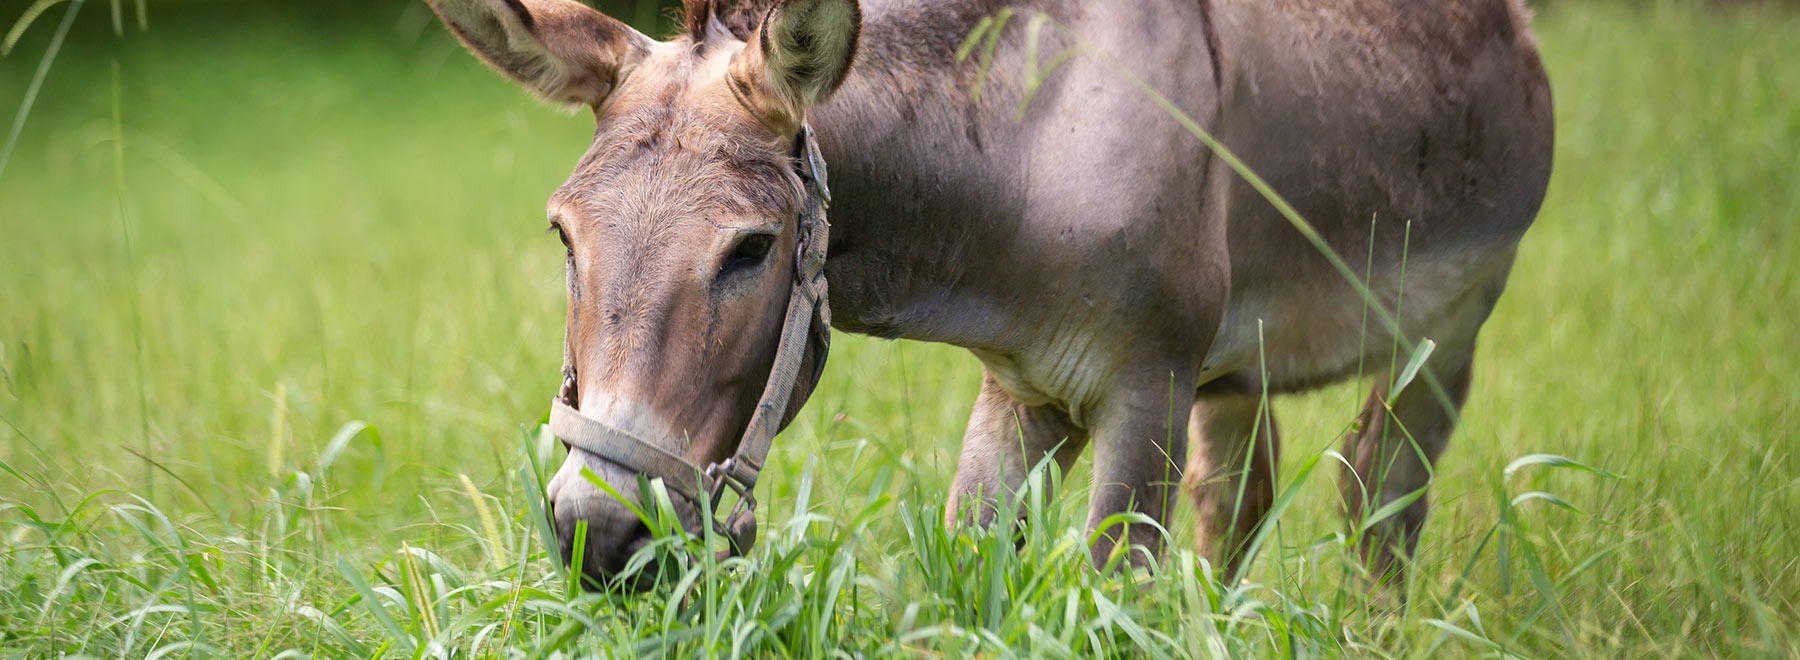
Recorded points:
(749, 252)
(564, 237)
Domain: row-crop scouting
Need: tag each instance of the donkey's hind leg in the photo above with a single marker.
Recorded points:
(1394, 447)
(1231, 476)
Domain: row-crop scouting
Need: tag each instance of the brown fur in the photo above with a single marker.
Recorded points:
(1099, 261)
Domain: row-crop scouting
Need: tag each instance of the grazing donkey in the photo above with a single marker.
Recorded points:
(1104, 266)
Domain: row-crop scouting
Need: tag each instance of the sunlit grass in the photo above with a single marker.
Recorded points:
(350, 320)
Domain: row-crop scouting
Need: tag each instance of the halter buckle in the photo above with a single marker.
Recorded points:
(730, 474)
(739, 526)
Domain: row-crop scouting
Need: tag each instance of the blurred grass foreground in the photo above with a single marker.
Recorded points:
(271, 366)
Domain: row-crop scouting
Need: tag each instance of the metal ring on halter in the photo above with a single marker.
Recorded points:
(739, 525)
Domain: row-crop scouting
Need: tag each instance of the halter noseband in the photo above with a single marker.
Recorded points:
(808, 319)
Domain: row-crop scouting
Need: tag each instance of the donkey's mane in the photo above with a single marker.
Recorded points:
(909, 36)
(740, 17)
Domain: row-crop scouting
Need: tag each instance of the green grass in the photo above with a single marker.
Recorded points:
(338, 220)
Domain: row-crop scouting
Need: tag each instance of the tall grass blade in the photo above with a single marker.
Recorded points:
(417, 591)
(1390, 509)
(1538, 495)
(1420, 354)
(25, 20)
(340, 441)
(277, 451)
(1554, 461)
(372, 602)
(1273, 516)
(36, 80)
(335, 629)
(496, 548)
(63, 579)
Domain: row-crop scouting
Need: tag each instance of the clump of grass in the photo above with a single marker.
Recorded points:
(115, 575)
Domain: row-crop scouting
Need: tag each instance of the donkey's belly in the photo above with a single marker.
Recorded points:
(1302, 334)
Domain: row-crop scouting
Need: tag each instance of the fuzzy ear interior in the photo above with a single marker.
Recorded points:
(797, 57)
(561, 50)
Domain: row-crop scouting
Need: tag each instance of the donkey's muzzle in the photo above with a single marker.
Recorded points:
(594, 528)
(608, 533)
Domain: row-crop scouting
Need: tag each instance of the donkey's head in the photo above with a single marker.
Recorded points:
(682, 223)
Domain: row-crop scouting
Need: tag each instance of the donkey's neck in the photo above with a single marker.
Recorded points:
(924, 201)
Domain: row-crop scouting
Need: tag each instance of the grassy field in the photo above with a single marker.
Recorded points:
(270, 385)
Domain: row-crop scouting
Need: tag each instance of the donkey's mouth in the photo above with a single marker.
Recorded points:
(637, 581)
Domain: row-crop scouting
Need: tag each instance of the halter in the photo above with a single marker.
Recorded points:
(808, 319)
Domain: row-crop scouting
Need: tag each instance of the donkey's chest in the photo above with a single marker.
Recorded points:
(1067, 363)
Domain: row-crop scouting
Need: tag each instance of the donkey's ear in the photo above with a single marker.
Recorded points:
(562, 50)
(797, 57)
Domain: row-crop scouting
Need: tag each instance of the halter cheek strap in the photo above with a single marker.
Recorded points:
(808, 321)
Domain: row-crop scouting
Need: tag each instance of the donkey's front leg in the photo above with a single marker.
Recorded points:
(1140, 444)
(1005, 439)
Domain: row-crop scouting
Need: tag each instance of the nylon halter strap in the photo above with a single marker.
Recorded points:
(807, 313)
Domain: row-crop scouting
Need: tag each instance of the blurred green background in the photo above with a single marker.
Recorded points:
(331, 213)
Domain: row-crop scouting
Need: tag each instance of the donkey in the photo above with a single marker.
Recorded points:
(1104, 266)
